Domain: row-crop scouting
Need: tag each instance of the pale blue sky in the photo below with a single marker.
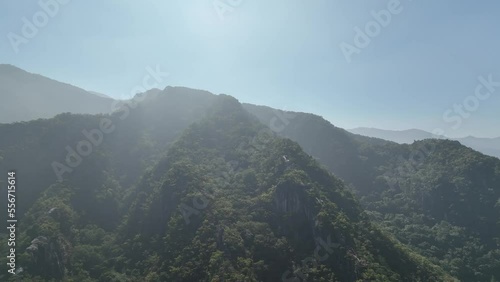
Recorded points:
(281, 53)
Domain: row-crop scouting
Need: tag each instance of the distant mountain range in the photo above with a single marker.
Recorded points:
(27, 96)
(488, 146)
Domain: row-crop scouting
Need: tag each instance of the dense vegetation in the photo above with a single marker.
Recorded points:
(438, 197)
(196, 187)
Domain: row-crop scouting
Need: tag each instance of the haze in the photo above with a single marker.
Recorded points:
(426, 60)
(238, 140)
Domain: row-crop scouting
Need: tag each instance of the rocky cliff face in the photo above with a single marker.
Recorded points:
(50, 256)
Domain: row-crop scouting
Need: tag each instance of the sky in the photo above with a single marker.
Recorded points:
(431, 65)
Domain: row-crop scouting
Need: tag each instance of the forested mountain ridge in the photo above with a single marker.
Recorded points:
(167, 143)
(229, 201)
(142, 129)
(418, 192)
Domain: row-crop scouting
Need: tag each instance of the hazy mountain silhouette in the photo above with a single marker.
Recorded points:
(100, 94)
(403, 137)
(27, 96)
(488, 146)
